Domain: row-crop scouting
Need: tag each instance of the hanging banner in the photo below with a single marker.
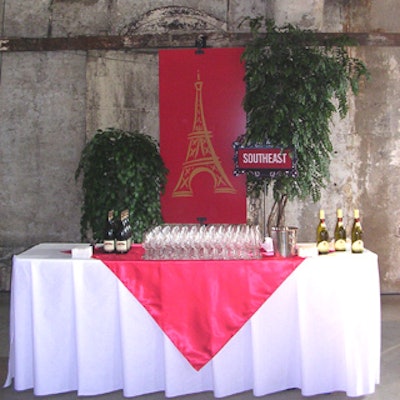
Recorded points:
(201, 114)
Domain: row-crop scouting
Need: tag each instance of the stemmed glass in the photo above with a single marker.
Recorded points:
(208, 244)
(151, 243)
(216, 242)
(183, 245)
(220, 241)
(234, 242)
(254, 242)
(193, 242)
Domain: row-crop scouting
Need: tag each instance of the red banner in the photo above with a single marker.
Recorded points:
(201, 115)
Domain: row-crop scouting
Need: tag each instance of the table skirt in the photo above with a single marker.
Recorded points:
(320, 332)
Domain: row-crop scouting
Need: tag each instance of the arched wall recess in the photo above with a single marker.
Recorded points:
(173, 19)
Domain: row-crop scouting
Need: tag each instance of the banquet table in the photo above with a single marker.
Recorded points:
(75, 325)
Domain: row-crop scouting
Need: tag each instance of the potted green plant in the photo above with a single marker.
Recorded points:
(294, 86)
(121, 170)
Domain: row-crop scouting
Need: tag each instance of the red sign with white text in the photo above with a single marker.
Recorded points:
(201, 115)
(264, 158)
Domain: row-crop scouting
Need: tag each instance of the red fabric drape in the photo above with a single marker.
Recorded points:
(199, 304)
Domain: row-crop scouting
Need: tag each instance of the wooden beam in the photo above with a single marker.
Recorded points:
(177, 40)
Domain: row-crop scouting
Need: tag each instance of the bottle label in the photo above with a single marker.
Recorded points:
(357, 246)
(109, 246)
(323, 247)
(340, 245)
(121, 246)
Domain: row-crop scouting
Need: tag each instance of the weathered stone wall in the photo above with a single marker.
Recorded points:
(51, 102)
(42, 102)
(365, 171)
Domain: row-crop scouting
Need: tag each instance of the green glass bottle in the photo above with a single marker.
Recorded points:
(357, 243)
(340, 232)
(322, 235)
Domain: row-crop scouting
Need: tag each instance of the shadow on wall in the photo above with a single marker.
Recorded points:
(5, 278)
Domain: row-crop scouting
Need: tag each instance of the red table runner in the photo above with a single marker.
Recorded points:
(199, 304)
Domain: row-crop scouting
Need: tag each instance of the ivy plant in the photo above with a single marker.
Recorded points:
(295, 84)
(121, 170)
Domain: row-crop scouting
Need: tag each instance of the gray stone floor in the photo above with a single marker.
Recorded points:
(389, 389)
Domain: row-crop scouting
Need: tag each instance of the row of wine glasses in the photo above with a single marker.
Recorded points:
(202, 242)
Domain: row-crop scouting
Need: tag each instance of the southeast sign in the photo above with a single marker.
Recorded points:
(264, 158)
(264, 161)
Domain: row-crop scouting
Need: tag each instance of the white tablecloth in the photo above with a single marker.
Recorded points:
(75, 327)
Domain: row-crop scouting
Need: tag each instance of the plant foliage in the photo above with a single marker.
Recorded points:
(121, 170)
(294, 86)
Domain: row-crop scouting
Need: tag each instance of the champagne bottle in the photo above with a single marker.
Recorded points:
(122, 235)
(322, 235)
(357, 243)
(128, 228)
(109, 233)
(340, 232)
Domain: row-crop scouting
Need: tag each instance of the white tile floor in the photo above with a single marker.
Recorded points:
(389, 389)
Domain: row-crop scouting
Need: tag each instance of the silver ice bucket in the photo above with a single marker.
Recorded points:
(285, 240)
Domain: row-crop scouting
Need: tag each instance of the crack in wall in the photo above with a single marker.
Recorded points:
(50, 19)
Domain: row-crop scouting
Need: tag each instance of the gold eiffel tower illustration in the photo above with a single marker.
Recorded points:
(201, 156)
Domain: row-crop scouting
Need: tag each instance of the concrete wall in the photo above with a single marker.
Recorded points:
(51, 102)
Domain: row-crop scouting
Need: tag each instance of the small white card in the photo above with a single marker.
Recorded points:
(307, 250)
(82, 252)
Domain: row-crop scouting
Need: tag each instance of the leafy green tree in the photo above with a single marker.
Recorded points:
(121, 170)
(295, 84)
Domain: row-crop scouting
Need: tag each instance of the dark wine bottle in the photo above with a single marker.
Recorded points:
(340, 232)
(122, 235)
(322, 235)
(128, 228)
(357, 243)
(109, 233)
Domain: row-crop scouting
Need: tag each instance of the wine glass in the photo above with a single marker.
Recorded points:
(209, 237)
